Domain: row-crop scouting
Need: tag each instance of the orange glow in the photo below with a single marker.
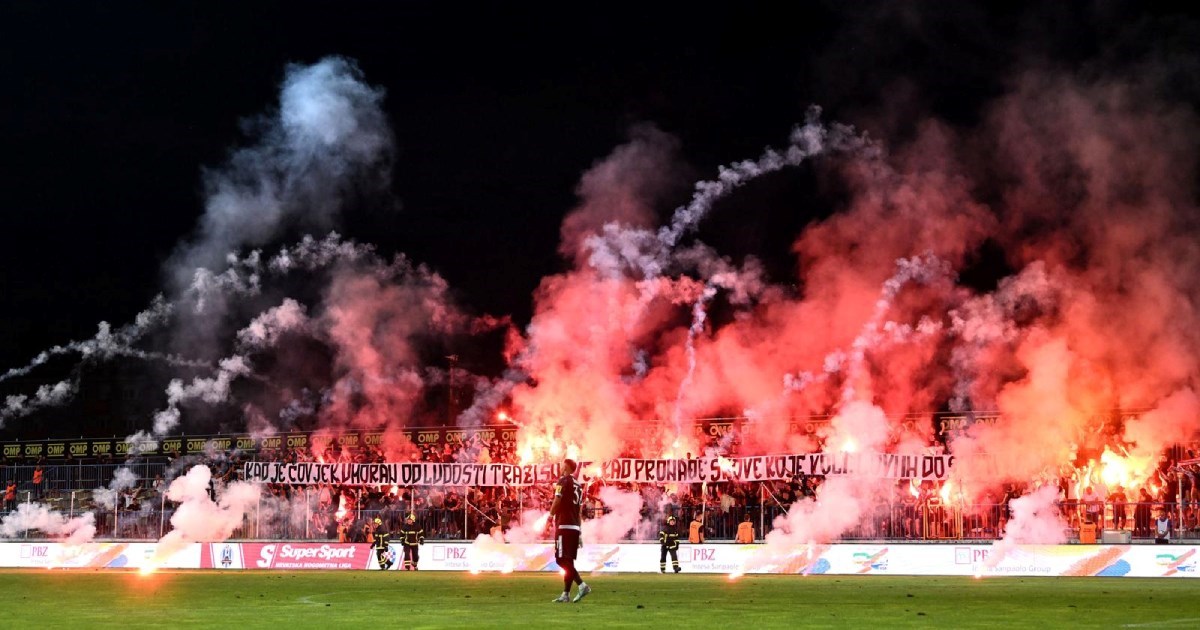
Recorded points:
(1127, 472)
(849, 446)
(535, 447)
(341, 511)
(914, 489)
(503, 416)
(725, 464)
(147, 569)
(733, 577)
(945, 492)
(395, 491)
(540, 524)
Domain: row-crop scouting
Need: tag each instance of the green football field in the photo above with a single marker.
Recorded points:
(340, 599)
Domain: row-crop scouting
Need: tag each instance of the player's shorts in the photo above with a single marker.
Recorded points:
(566, 544)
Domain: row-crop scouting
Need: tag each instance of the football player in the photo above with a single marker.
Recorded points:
(567, 510)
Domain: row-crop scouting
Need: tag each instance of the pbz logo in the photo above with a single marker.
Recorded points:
(456, 553)
(704, 554)
(35, 551)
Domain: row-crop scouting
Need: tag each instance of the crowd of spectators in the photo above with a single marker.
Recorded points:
(914, 511)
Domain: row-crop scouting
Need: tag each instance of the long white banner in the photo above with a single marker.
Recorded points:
(698, 470)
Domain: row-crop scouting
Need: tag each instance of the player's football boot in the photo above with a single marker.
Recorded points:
(562, 599)
(584, 589)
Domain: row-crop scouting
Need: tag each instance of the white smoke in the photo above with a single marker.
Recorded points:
(266, 329)
(619, 249)
(213, 390)
(1036, 520)
(123, 479)
(807, 141)
(34, 516)
(21, 405)
(330, 135)
(624, 512)
(105, 345)
(200, 519)
(529, 527)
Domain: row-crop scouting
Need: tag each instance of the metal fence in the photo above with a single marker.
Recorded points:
(308, 515)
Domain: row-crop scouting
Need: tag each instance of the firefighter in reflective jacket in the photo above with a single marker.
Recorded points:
(668, 541)
(411, 538)
(383, 552)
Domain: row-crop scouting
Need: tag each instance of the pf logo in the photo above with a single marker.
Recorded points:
(266, 557)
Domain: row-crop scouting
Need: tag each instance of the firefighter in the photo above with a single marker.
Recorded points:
(383, 552)
(668, 541)
(412, 536)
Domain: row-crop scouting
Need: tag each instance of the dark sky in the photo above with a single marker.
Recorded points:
(110, 112)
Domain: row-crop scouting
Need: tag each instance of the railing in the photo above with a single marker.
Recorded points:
(307, 519)
(309, 515)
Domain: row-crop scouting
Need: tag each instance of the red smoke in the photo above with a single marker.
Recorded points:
(1087, 189)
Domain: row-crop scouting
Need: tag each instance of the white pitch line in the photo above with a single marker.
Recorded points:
(307, 599)
(1159, 624)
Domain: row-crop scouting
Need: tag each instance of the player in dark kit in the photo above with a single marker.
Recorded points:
(381, 545)
(412, 537)
(567, 511)
(668, 542)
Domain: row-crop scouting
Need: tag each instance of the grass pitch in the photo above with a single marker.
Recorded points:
(337, 599)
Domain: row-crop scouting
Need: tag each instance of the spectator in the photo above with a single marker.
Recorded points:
(454, 514)
(1162, 528)
(1118, 500)
(1141, 514)
(1092, 505)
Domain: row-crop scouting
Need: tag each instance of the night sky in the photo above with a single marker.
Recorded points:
(112, 111)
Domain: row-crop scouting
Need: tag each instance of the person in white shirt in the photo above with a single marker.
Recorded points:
(1162, 528)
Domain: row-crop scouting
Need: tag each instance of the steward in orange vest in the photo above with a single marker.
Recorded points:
(745, 532)
(696, 530)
